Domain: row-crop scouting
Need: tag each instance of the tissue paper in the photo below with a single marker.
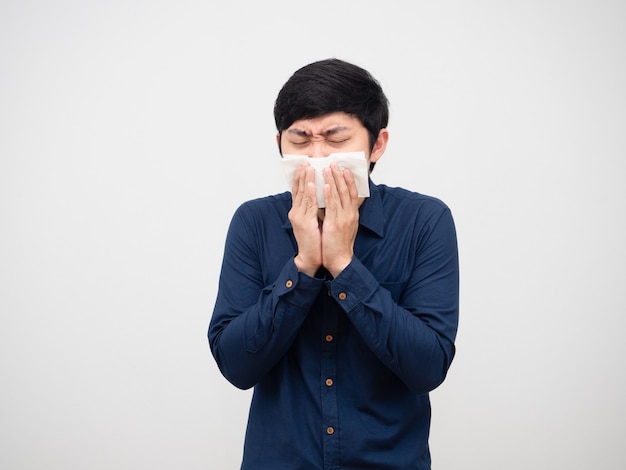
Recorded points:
(355, 161)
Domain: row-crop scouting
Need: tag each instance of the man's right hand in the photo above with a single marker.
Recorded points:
(305, 222)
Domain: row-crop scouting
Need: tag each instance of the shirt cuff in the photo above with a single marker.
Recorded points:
(301, 288)
(353, 286)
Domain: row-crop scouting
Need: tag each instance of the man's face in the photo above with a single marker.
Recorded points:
(331, 133)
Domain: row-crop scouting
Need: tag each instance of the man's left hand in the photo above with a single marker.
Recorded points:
(341, 219)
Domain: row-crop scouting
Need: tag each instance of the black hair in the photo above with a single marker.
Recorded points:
(328, 86)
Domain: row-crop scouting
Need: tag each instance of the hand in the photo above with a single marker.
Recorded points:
(304, 220)
(341, 221)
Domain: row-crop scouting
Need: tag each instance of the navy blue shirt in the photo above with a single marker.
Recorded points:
(341, 368)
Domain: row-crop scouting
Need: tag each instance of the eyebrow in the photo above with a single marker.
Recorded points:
(331, 131)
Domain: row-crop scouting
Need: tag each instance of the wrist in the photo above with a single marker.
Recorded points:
(338, 266)
(307, 268)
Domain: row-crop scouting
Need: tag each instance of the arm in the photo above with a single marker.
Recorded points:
(413, 337)
(253, 325)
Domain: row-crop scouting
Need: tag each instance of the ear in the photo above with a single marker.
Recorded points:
(379, 146)
(280, 149)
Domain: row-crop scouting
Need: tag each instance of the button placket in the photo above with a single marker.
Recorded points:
(328, 374)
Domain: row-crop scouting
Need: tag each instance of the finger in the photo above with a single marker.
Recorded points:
(351, 184)
(295, 184)
(330, 188)
(344, 190)
(305, 198)
(331, 204)
(299, 188)
(311, 196)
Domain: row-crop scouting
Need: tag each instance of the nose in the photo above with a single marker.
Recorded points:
(319, 148)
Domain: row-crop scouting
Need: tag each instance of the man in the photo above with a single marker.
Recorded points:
(341, 318)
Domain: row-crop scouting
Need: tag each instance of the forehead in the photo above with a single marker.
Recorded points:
(322, 124)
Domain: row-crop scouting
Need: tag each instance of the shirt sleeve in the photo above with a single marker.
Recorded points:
(253, 325)
(414, 336)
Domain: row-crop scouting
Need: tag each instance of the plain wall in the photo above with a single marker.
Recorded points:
(130, 131)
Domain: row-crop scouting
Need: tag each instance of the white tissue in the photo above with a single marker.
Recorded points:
(355, 161)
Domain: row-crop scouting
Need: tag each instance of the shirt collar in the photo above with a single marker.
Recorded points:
(370, 213)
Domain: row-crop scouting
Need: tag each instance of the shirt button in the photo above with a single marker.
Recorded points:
(289, 283)
(330, 430)
(342, 296)
(328, 293)
(329, 382)
(329, 338)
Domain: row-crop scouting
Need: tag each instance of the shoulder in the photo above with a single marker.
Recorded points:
(427, 217)
(394, 198)
(267, 208)
(258, 218)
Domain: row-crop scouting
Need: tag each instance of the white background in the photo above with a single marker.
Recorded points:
(130, 131)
